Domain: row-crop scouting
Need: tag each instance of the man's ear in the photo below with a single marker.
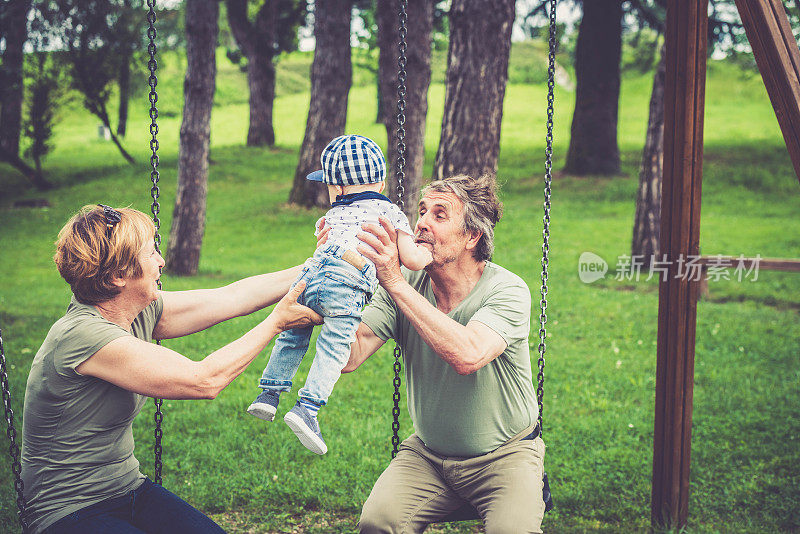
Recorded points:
(474, 239)
(383, 186)
(118, 281)
(339, 190)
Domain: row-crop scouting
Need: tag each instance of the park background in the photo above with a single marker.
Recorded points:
(600, 374)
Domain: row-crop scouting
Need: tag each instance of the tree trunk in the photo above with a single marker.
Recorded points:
(261, 80)
(593, 140)
(477, 71)
(98, 108)
(257, 44)
(37, 179)
(418, 79)
(189, 216)
(384, 109)
(331, 74)
(11, 88)
(124, 91)
(115, 139)
(647, 223)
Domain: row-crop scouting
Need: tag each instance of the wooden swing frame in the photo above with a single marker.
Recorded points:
(778, 58)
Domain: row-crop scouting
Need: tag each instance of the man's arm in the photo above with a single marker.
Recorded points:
(187, 312)
(366, 344)
(157, 371)
(465, 348)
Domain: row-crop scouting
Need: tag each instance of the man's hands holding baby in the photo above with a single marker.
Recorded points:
(382, 249)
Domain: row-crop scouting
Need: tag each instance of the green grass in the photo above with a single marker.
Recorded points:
(601, 353)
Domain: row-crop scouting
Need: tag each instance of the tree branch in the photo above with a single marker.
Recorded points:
(540, 9)
(240, 25)
(29, 172)
(648, 15)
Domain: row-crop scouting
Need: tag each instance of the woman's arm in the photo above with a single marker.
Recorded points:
(156, 371)
(187, 312)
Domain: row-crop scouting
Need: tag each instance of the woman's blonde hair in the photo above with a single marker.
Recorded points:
(89, 254)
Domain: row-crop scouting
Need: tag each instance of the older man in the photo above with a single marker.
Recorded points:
(463, 324)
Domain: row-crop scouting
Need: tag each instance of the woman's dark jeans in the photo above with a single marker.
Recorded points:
(149, 508)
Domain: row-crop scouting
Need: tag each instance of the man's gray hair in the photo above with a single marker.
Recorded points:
(482, 208)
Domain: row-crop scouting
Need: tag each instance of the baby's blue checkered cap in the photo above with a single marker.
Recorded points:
(351, 160)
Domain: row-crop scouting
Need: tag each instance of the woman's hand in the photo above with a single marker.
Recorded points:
(289, 314)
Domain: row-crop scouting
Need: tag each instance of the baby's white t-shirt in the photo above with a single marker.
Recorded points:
(349, 212)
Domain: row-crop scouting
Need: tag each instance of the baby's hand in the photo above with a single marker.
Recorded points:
(320, 224)
(425, 254)
(413, 256)
(322, 232)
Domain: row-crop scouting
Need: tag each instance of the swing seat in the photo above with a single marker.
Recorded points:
(467, 512)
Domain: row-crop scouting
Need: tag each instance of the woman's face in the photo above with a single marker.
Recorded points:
(151, 262)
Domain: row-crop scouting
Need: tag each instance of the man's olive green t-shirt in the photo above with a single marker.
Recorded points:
(474, 414)
(77, 438)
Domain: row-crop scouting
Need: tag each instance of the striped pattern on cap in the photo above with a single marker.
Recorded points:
(352, 160)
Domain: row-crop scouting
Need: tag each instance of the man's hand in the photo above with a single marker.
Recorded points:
(322, 232)
(382, 250)
(289, 314)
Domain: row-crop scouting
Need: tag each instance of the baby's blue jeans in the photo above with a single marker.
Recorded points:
(338, 291)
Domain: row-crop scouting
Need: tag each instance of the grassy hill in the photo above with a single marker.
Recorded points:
(601, 354)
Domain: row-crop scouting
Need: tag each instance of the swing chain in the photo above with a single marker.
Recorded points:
(155, 208)
(396, 399)
(401, 148)
(11, 432)
(548, 176)
(401, 104)
(153, 96)
(401, 173)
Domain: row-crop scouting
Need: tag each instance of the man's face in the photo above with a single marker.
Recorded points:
(440, 227)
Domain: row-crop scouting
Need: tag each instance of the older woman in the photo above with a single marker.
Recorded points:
(96, 367)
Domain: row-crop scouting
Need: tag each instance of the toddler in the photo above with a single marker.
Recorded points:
(339, 282)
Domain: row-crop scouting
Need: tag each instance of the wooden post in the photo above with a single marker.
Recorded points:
(684, 96)
(778, 58)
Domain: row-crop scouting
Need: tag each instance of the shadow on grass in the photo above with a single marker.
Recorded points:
(314, 522)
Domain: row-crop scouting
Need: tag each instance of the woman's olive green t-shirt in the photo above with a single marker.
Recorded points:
(77, 437)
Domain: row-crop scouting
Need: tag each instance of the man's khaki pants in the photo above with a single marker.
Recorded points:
(421, 487)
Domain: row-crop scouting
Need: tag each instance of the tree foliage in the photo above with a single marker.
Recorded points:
(45, 75)
(94, 34)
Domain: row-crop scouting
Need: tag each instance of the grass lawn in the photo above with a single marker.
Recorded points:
(599, 393)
